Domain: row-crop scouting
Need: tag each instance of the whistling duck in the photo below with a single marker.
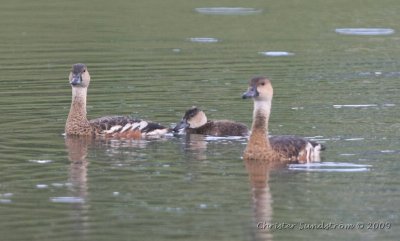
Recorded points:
(108, 126)
(277, 148)
(195, 122)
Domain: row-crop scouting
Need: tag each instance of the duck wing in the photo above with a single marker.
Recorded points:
(296, 149)
(126, 127)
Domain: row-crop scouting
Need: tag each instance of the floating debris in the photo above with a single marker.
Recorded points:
(364, 31)
(228, 11)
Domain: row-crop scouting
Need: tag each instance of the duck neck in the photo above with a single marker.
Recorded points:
(259, 129)
(77, 113)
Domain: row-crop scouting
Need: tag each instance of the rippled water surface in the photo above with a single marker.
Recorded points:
(155, 59)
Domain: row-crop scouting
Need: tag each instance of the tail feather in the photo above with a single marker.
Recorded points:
(315, 144)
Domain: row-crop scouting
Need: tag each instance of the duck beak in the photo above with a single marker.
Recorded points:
(181, 126)
(76, 79)
(250, 93)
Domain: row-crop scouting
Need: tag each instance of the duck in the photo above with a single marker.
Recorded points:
(261, 147)
(77, 123)
(195, 122)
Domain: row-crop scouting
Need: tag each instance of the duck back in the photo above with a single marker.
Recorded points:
(220, 128)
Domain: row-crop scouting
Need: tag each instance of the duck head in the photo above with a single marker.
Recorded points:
(79, 76)
(193, 118)
(260, 89)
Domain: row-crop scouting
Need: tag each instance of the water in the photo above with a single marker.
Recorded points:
(341, 90)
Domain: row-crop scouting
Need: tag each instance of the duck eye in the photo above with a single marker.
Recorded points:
(84, 71)
(262, 83)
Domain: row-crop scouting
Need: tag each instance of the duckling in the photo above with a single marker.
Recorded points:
(195, 122)
(278, 148)
(109, 126)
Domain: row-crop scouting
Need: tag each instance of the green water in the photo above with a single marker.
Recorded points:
(143, 63)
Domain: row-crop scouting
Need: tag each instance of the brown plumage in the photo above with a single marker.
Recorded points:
(195, 122)
(110, 126)
(277, 148)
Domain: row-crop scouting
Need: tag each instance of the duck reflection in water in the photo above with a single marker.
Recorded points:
(195, 147)
(77, 175)
(77, 148)
(261, 196)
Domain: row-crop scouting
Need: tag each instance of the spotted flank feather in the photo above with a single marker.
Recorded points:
(126, 127)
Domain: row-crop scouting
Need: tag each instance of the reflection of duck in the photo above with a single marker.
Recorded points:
(261, 196)
(278, 148)
(195, 122)
(109, 126)
(195, 147)
(77, 151)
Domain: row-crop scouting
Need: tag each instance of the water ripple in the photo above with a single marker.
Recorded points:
(276, 53)
(67, 200)
(330, 167)
(363, 105)
(364, 31)
(204, 40)
(354, 139)
(355, 106)
(42, 186)
(218, 138)
(228, 11)
(41, 161)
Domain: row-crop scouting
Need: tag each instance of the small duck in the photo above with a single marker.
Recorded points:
(108, 126)
(195, 122)
(285, 149)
